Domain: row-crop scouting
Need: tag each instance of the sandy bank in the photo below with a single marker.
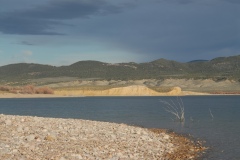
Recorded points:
(135, 90)
(12, 95)
(24, 137)
(194, 85)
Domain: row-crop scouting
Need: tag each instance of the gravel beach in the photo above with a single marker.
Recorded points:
(36, 138)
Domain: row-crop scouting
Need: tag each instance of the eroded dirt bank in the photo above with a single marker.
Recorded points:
(135, 90)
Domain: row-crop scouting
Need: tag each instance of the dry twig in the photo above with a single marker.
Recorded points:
(175, 108)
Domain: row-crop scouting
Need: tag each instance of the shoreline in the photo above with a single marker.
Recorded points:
(57, 96)
(9, 95)
(133, 90)
(45, 138)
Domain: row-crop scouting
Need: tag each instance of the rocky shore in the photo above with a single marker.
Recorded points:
(36, 138)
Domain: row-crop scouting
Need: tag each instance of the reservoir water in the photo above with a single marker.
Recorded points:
(214, 119)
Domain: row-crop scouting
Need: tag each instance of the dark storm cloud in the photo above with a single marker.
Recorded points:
(70, 9)
(171, 29)
(233, 1)
(177, 1)
(26, 43)
(177, 31)
(23, 25)
(192, 1)
(42, 19)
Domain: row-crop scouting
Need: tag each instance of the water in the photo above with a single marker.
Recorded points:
(221, 133)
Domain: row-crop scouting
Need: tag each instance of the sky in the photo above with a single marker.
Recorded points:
(62, 32)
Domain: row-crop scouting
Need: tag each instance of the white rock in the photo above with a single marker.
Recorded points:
(15, 151)
(113, 136)
(166, 136)
(19, 129)
(73, 138)
(114, 158)
(119, 154)
(7, 146)
(112, 150)
(78, 156)
(30, 137)
(8, 122)
(26, 129)
(31, 147)
(144, 132)
(138, 131)
(145, 138)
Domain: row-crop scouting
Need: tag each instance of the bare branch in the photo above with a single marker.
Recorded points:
(177, 109)
(211, 113)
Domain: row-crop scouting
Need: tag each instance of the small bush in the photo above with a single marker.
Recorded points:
(5, 88)
(13, 91)
(44, 90)
(29, 89)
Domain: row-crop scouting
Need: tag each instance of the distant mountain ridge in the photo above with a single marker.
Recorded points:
(218, 69)
(199, 60)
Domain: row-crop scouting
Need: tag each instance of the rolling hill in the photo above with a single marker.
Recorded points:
(218, 69)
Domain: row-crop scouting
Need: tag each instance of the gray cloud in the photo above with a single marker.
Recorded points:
(233, 1)
(177, 1)
(42, 19)
(22, 25)
(70, 9)
(173, 29)
(26, 43)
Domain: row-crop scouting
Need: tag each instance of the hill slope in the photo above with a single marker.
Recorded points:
(218, 69)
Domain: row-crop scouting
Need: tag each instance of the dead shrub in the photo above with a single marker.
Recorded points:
(5, 88)
(175, 108)
(29, 89)
(44, 90)
(13, 91)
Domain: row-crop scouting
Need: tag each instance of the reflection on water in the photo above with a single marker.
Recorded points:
(212, 118)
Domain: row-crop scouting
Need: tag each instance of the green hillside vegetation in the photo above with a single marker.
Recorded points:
(218, 69)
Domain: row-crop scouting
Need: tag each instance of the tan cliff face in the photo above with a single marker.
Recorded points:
(189, 85)
(135, 90)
